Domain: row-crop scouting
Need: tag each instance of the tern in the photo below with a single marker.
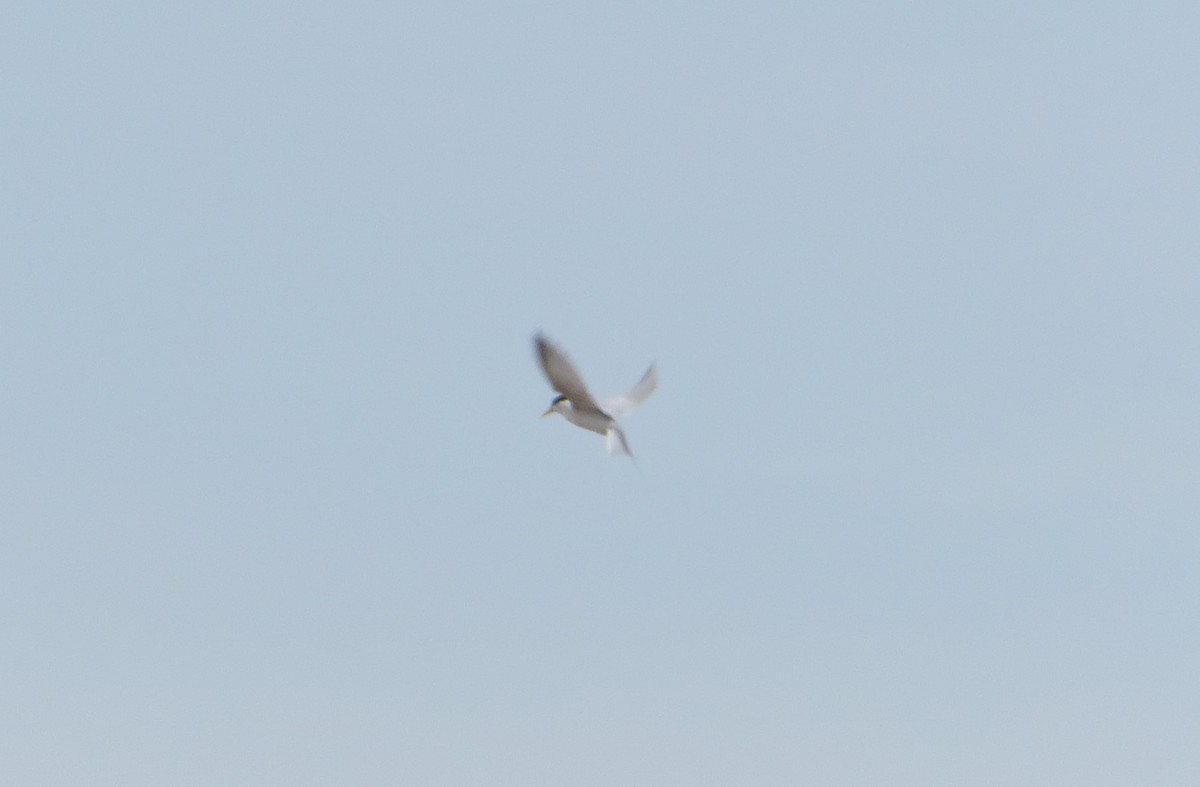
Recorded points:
(577, 405)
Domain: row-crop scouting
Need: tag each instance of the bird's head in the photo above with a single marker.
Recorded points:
(560, 405)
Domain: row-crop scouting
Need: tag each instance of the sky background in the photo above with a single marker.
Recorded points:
(916, 502)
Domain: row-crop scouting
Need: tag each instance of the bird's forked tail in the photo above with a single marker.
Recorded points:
(615, 442)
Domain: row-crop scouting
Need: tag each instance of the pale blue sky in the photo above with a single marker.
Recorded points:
(916, 502)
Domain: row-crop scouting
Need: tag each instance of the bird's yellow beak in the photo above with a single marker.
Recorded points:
(548, 412)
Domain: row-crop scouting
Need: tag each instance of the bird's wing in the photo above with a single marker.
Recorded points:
(561, 373)
(620, 405)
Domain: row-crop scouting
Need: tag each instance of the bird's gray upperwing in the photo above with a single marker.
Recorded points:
(562, 375)
(620, 405)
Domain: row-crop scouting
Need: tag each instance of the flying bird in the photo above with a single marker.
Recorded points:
(577, 405)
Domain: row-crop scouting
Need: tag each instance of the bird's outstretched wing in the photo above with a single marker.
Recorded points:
(618, 406)
(561, 373)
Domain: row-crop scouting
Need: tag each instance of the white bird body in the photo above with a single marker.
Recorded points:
(577, 405)
(591, 420)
